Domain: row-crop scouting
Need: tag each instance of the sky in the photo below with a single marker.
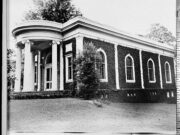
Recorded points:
(132, 16)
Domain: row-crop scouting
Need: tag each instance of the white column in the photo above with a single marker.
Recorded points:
(39, 71)
(54, 65)
(28, 68)
(79, 44)
(61, 68)
(160, 72)
(18, 70)
(141, 69)
(116, 66)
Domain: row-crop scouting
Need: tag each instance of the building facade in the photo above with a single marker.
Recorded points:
(131, 65)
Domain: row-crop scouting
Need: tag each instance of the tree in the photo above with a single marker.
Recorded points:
(161, 34)
(53, 10)
(10, 68)
(86, 76)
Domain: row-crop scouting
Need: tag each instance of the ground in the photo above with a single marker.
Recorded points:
(77, 115)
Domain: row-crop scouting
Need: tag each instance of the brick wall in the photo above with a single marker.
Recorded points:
(171, 62)
(109, 50)
(122, 52)
(145, 57)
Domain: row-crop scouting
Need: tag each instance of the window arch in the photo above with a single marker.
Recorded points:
(48, 72)
(101, 65)
(48, 58)
(151, 71)
(129, 69)
(167, 68)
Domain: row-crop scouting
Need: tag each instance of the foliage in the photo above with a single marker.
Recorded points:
(10, 66)
(86, 76)
(53, 10)
(161, 34)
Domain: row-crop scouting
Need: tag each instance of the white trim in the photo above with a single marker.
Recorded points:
(160, 71)
(45, 76)
(134, 80)
(45, 72)
(112, 31)
(37, 24)
(106, 71)
(169, 72)
(121, 42)
(68, 80)
(39, 71)
(141, 69)
(54, 65)
(68, 47)
(94, 28)
(154, 71)
(79, 44)
(47, 57)
(116, 66)
(61, 68)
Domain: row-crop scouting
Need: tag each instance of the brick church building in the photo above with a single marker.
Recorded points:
(133, 67)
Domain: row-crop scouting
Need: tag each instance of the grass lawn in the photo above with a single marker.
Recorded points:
(76, 115)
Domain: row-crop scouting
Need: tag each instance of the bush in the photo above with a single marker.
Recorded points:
(86, 76)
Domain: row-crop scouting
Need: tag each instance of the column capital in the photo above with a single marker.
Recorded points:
(115, 43)
(56, 42)
(79, 36)
(27, 42)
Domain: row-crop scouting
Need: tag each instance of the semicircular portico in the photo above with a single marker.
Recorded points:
(35, 37)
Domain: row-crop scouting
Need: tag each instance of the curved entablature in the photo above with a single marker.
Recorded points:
(38, 30)
(37, 24)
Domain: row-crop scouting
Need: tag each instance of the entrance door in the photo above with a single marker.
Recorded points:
(48, 77)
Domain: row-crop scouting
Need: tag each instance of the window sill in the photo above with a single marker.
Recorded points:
(130, 81)
(103, 80)
(152, 81)
(168, 82)
(69, 81)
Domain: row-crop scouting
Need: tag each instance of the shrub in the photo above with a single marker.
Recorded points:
(86, 76)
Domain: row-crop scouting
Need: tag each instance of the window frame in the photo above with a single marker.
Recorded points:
(154, 71)
(105, 79)
(47, 66)
(133, 67)
(67, 69)
(169, 72)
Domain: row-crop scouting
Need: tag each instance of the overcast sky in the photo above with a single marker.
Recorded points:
(132, 16)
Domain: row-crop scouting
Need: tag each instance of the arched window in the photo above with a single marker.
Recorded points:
(101, 65)
(129, 69)
(151, 71)
(49, 58)
(167, 72)
(48, 72)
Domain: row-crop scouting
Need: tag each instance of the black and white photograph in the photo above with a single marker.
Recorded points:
(92, 66)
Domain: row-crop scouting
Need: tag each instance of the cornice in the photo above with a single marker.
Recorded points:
(87, 23)
(81, 21)
(37, 25)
